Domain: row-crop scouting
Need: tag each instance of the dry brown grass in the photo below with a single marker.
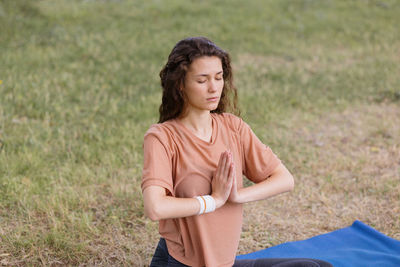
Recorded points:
(353, 173)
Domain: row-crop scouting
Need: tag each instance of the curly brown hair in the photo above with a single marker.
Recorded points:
(173, 74)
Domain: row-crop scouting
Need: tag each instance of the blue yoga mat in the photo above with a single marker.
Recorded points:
(356, 245)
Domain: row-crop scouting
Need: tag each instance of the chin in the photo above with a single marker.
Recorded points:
(213, 108)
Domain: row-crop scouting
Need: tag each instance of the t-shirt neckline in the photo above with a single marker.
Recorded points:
(213, 135)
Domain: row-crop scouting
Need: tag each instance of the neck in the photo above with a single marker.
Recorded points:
(198, 121)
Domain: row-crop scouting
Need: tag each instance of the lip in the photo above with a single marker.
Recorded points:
(213, 98)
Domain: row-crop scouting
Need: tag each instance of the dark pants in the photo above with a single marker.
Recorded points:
(162, 258)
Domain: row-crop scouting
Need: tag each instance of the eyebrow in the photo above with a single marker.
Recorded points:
(208, 74)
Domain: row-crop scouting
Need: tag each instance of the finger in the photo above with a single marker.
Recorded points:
(228, 163)
(218, 171)
(231, 155)
(231, 176)
(220, 158)
(231, 172)
(223, 164)
(234, 177)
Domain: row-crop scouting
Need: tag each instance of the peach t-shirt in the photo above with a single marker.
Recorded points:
(182, 163)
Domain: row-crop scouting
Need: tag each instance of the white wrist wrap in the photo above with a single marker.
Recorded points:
(207, 204)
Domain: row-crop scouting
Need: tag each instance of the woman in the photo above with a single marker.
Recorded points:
(194, 159)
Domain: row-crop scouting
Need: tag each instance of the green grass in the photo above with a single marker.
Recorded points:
(80, 87)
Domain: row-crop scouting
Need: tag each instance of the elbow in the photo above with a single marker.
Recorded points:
(152, 214)
(152, 217)
(290, 182)
(287, 180)
(153, 202)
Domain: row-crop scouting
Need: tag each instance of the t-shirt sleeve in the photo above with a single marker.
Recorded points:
(259, 160)
(157, 162)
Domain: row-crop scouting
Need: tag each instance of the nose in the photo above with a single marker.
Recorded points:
(212, 87)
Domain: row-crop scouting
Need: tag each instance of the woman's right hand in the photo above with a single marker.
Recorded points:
(223, 179)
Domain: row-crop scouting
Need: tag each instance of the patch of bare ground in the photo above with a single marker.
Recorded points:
(346, 167)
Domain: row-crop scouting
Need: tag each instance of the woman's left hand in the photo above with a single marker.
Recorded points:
(234, 195)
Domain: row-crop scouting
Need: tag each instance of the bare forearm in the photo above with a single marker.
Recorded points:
(158, 206)
(279, 182)
(172, 207)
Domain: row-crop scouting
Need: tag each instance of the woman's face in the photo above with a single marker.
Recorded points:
(203, 84)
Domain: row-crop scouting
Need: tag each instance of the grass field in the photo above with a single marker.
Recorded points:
(318, 81)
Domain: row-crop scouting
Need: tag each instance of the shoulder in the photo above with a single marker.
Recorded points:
(163, 132)
(155, 130)
(160, 129)
(232, 121)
